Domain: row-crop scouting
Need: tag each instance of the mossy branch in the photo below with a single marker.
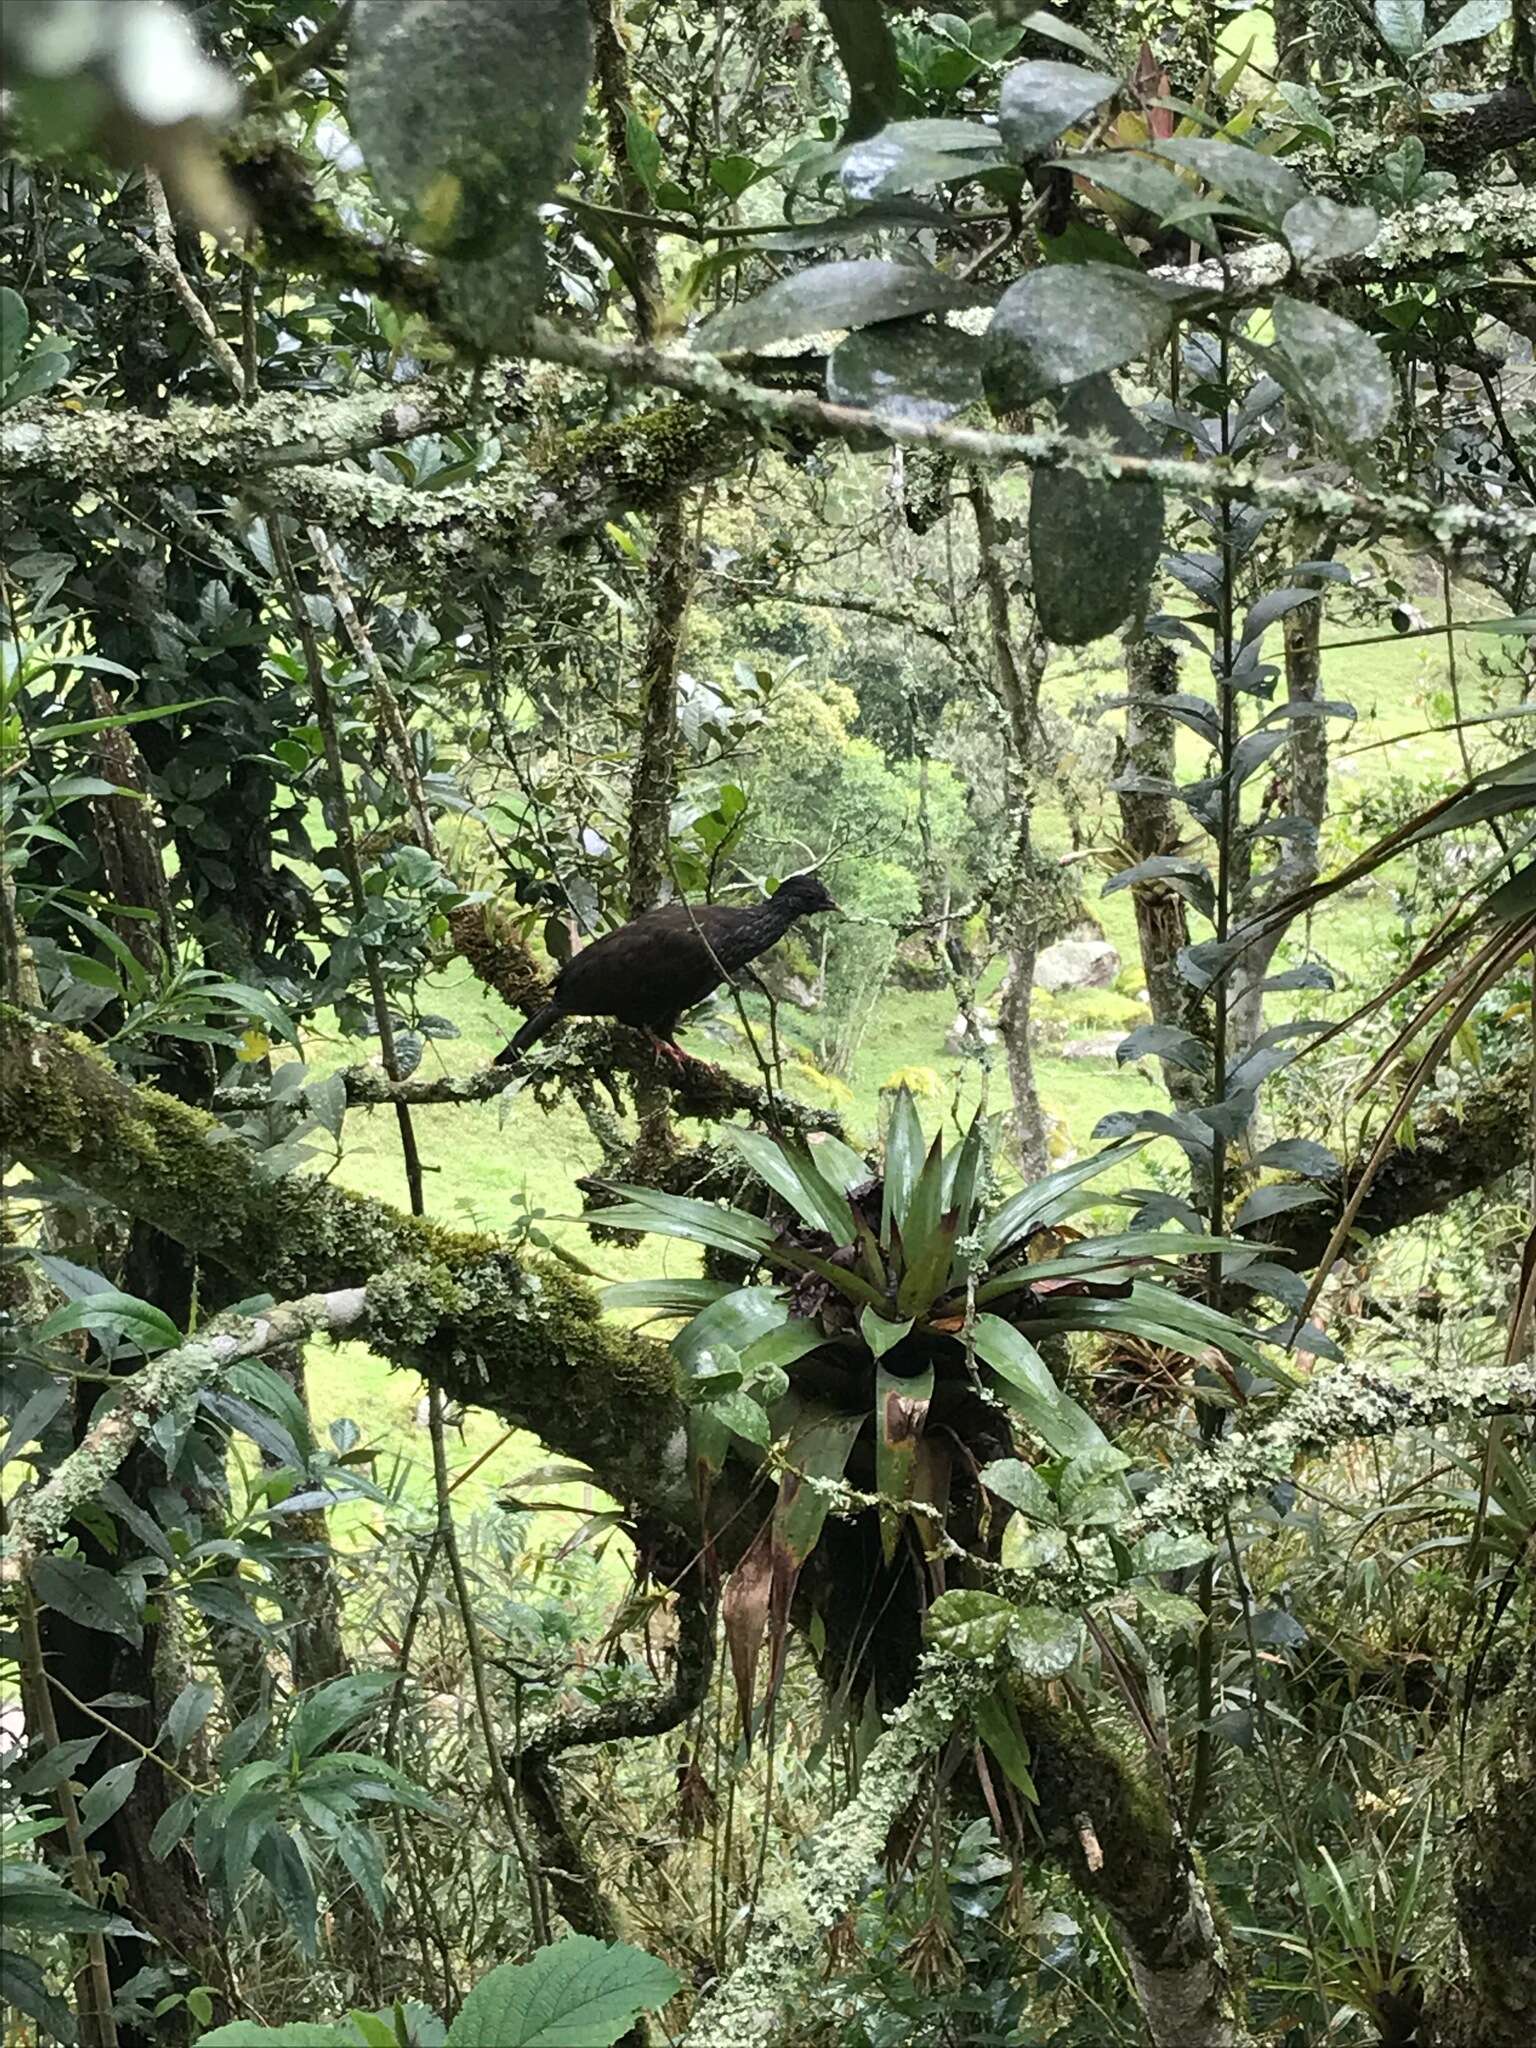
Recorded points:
(38, 1518)
(1454, 1153)
(524, 1338)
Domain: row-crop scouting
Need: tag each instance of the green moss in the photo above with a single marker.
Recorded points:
(645, 459)
(1084, 1773)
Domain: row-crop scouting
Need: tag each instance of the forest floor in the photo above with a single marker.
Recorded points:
(497, 1164)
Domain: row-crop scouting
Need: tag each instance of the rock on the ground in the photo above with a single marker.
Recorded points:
(1102, 1046)
(1077, 963)
(960, 1039)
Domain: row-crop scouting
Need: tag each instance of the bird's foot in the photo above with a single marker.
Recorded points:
(669, 1049)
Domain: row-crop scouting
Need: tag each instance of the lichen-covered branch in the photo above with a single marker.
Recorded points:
(524, 1338)
(1473, 228)
(38, 1518)
(1343, 1406)
(752, 2007)
(1248, 482)
(1453, 1154)
(221, 445)
(281, 452)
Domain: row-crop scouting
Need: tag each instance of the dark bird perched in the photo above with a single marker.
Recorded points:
(649, 972)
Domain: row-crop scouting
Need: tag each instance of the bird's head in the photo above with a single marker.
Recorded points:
(804, 895)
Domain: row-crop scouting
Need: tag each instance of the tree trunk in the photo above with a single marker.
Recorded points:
(166, 1895)
(1303, 795)
(1016, 672)
(1144, 777)
(1491, 2002)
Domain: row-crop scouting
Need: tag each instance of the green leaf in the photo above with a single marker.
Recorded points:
(913, 156)
(665, 1297)
(969, 1624)
(781, 1347)
(323, 1713)
(903, 1160)
(907, 370)
(1022, 1487)
(724, 1230)
(82, 728)
(998, 1725)
(1467, 24)
(89, 1595)
(173, 1824)
(879, 1333)
(1028, 1387)
(642, 145)
(820, 1442)
(1093, 1492)
(1165, 1042)
(104, 1795)
(281, 1862)
(38, 373)
(1039, 100)
(15, 325)
(1161, 1552)
(1402, 25)
(1275, 1200)
(789, 1171)
(1094, 544)
(1261, 185)
(22, 1983)
(33, 1417)
(1046, 1200)
(719, 1335)
(1171, 1611)
(577, 1993)
(1043, 23)
(1145, 184)
(743, 1416)
(920, 1218)
(122, 1315)
(1045, 1643)
(901, 1410)
(733, 174)
(1067, 321)
(297, 2034)
(1321, 230)
(1333, 370)
(853, 292)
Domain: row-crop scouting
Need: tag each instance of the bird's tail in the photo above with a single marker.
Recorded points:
(538, 1024)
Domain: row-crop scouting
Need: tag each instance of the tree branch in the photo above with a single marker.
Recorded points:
(524, 1338)
(38, 1518)
(281, 451)
(1454, 1154)
(709, 381)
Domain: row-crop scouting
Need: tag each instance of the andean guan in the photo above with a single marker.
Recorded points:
(648, 972)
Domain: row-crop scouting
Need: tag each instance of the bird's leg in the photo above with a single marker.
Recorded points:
(668, 1048)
